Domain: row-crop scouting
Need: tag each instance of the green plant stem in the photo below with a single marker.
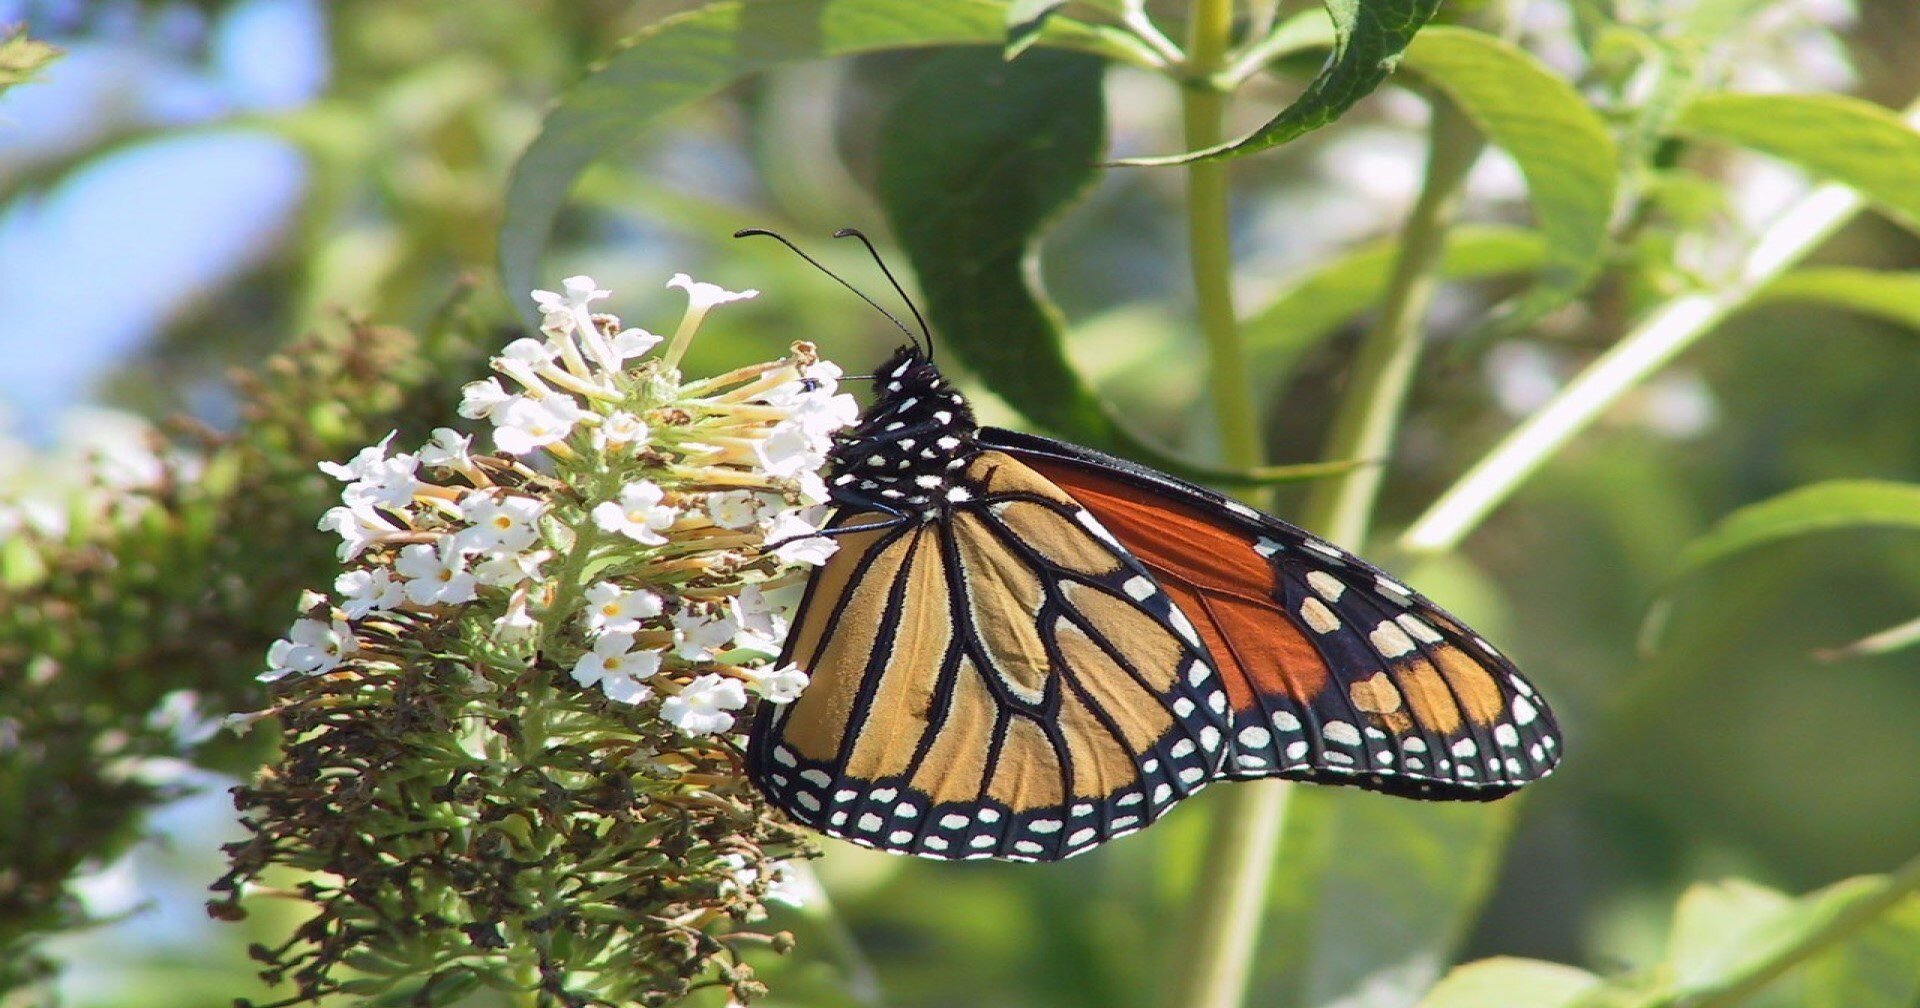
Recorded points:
(1376, 393)
(1226, 904)
(1659, 337)
(1232, 891)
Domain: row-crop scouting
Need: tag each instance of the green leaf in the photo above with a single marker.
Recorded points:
(1503, 982)
(1879, 967)
(1369, 36)
(1894, 297)
(1026, 19)
(968, 178)
(1376, 895)
(1334, 293)
(692, 55)
(1837, 504)
(1853, 142)
(1561, 145)
(22, 57)
(1710, 925)
(1734, 938)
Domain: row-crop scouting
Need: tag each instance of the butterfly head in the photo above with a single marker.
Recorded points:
(909, 449)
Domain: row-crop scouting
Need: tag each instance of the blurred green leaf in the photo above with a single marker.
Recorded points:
(1856, 143)
(1733, 938)
(1836, 504)
(1368, 40)
(22, 57)
(968, 177)
(1337, 291)
(1503, 982)
(1559, 142)
(692, 55)
(1892, 296)
(1376, 894)
(1026, 19)
(1879, 967)
(1710, 925)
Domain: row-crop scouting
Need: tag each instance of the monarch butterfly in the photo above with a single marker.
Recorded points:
(1024, 648)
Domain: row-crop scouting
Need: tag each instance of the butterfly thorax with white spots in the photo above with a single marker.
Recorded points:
(908, 452)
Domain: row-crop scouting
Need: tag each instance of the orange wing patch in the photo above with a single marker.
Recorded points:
(1005, 682)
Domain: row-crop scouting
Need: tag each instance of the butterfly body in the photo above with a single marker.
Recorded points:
(1024, 648)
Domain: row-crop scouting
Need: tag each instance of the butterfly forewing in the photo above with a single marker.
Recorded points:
(1005, 682)
(1335, 672)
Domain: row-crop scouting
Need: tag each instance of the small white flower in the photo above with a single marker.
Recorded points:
(784, 885)
(620, 428)
(734, 509)
(778, 685)
(479, 399)
(436, 575)
(702, 296)
(518, 624)
(311, 647)
(631, 343)
(359, 526)
(526, 424)
(505, 570)
(617, 668)
(368, 591)
(499, 521)
(447, 450)
(697, 634)
(701, 706)
(580, 291)
(787, 450)
(531, 352)
(613, 609)
(761, 627)
(793, 536)
(375, 479)
(638, 514)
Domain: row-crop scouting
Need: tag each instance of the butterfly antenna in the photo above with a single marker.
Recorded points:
(815, 263)
(847, 232)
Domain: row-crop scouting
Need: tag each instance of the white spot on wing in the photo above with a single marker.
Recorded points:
(1326, 585)
(1318, 617)
(1524, 712)
(1419, 628)
(1267, 547)
(1390, 640)
(1254, 737)
(1138, 587)
(1341, 732)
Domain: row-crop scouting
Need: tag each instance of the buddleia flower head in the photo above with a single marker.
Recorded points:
(511, 752)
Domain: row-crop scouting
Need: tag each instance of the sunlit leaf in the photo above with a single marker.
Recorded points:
(1878, 967)
(1504, 982)
(1375, 895)
(1026, 19)
(1348, 285)
(1561, 145)
(968, 177)
(1736, 936)
(1837, 504)
(1894, 297)
(1846, 140)
(692, 55)
(1369, 36)
(22, 57)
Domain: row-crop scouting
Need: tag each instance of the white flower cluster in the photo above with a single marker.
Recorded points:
(623, 528)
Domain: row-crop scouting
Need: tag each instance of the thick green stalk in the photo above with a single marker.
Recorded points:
(1226, 925)
(1226, 906)
(1341, 508)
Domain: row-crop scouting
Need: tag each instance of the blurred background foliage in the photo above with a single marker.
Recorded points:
(192, 186)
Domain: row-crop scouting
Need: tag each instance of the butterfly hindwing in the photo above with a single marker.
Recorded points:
(1005, 682)
(1335, 672)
